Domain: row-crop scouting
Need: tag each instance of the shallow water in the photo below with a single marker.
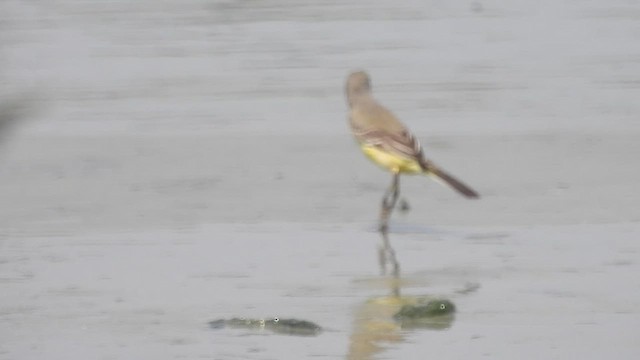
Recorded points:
(552, 291)
(176, 162)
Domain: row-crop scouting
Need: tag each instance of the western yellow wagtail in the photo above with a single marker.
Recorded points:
(388, 143)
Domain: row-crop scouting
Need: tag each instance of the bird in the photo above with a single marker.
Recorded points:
(388, 142)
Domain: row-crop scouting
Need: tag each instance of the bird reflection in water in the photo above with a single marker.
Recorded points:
(385, 320)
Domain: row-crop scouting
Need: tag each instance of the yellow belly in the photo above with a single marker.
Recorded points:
(392, 162)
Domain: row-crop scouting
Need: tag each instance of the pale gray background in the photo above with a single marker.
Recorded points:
(178, 161)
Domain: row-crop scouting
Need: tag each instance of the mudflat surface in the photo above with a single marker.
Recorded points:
(166, 164)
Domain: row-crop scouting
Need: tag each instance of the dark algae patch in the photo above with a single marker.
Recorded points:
(275, 325)
(432, 314)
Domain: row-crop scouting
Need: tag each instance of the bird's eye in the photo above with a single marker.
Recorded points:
(443, 306)
(276, 319)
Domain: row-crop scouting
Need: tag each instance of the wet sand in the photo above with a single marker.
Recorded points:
(124, 182)
(191, 161)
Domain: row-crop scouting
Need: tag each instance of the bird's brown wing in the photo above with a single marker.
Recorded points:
(376, 126)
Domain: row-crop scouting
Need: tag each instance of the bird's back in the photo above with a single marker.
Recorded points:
(368, 115)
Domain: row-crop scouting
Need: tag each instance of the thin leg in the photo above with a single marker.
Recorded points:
(386, 254)
(389, 255)
(389, 202)
(382, 259)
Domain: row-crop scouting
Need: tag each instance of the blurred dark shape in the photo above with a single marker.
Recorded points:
(477, 7)
(404, 206)
(14, 112)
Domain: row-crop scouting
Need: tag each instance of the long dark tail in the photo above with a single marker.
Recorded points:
(452, 182)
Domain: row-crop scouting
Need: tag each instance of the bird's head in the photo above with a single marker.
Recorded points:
(358, 84)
